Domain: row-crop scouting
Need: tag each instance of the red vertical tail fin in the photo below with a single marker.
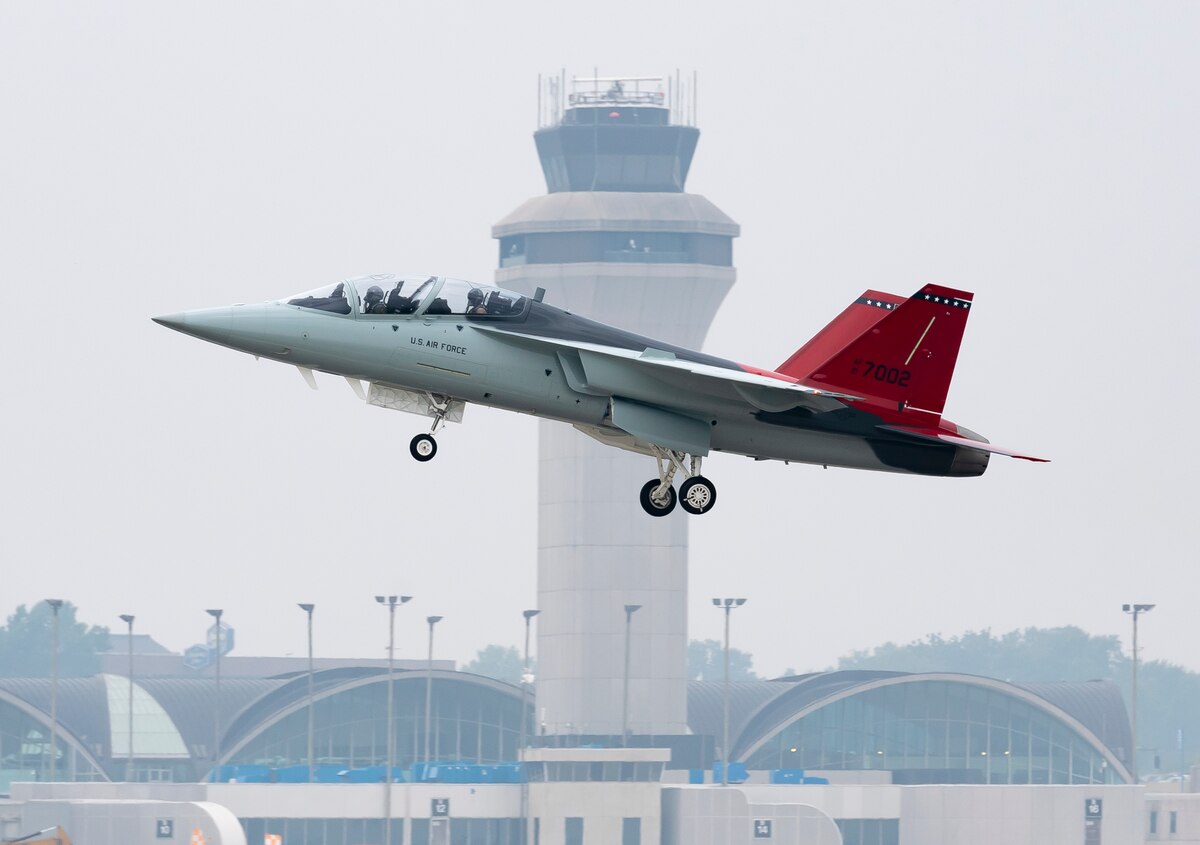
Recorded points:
(906, 358)
(860, 315)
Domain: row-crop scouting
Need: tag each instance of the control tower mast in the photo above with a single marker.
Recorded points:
(616, 239)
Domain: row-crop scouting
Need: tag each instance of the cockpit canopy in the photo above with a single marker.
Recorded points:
(392, 294)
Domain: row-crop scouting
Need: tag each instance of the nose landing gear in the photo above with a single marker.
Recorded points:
(423, 447)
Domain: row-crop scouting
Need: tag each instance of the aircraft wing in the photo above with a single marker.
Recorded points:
(653, 375)
(934, 435)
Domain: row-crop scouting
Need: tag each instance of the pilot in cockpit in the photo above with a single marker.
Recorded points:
(475, 302)
(373, 301)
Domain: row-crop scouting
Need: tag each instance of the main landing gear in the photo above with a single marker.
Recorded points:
(696, 495)
(423, 447)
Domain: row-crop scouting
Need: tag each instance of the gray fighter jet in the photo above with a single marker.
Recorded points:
(867, 392)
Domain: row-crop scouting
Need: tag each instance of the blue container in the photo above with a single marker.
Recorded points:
(787, 775)
(244, 774)
(737, 772)
(506, 773)
(291, 774)
(695, 775)
(817, 781)
(326, 773)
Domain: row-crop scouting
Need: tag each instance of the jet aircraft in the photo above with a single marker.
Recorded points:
(867, 392)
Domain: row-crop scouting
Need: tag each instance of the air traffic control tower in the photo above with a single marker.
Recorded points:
(619, 240)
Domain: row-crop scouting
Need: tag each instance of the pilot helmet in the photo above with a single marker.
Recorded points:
(475, 296)
(374, 294)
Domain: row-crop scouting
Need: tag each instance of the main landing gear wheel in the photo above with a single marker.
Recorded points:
(423, 447)
(652, 506)
(697, 495)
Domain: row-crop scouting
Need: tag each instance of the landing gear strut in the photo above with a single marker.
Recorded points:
(423, 447)
(697, 494)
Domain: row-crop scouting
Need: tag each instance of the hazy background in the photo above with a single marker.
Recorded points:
(158, 157)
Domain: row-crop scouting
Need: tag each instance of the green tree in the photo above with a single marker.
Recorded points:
(706, 662)
(1167, 694)
(26, 642)
(1034, 654)
(497, 661)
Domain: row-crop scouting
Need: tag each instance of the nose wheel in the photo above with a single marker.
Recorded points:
(423, 447)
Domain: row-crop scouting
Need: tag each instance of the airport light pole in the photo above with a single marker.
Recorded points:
(216, 615)
(526, 682)
(127, 618)
(1135, 610)
(630, 609)
(308, 609)
(391, 603)
(728, 605)
(55, 605)
(432, 620)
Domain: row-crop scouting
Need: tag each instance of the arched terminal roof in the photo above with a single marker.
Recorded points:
(1091, 713)
(173, 716)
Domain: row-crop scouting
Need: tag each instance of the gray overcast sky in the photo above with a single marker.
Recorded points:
(157, 157)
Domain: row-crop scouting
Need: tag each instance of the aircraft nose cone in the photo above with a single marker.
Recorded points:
(172, 321)
(212, 324)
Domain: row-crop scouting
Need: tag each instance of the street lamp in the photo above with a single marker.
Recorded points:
(390, 602)
(55, 604)
(128, 620)
(630, 609)
(216, 615)
(1135, 610)
(308, 608)
(432, 620)
(526, 682)
(728, 605)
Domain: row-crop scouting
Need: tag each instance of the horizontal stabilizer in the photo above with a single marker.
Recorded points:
(936, 436)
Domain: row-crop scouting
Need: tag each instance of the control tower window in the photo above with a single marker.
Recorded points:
(624, 247)
(512, 251)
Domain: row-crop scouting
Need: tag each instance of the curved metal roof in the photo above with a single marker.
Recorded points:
(1097, 705)
(154, 731)
(91, 753)
(617, 211)
(82, 707)
(277, 705)
(706, 704)
(189, 701)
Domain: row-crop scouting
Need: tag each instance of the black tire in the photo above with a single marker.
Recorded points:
(423, 447)
(650, 506)
(697, 495)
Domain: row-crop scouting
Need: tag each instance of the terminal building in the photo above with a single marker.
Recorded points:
(870, 758)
